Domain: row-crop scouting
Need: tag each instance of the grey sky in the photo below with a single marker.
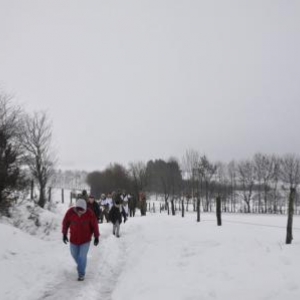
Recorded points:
(138, 80)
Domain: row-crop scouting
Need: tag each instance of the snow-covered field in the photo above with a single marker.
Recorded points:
(157, 257)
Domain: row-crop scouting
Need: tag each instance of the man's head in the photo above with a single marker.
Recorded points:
(81, 205)
(91, 198)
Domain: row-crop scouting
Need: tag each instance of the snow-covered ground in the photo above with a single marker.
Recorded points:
(156, 257)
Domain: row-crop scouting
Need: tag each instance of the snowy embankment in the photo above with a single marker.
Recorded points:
(157, 257)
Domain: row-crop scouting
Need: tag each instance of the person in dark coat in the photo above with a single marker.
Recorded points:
(132, 204)
(94, 206)
(84, 195)
(143, 203)
(115, 215)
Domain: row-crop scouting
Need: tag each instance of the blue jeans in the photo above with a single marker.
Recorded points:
(79, 253)
(116, 229)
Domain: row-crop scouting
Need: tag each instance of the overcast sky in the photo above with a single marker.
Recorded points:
(136, 80)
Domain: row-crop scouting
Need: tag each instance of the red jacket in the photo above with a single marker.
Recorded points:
(82, 227)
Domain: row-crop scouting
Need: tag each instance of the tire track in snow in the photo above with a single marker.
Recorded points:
(256, 224)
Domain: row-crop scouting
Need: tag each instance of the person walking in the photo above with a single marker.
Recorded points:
(132, 204)
(94, 206)
(104, 206)
(82, 224)
(84, 195)
(115, 215)
(143, 203)
(125, 200)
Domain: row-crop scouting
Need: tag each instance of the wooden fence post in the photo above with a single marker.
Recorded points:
(49, 194)
(31, 189)
(289, 229)
(218, 211)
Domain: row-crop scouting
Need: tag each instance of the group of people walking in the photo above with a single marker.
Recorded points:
(82, 223)
(106, 204)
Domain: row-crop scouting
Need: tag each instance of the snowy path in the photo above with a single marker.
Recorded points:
(104, 266)
(161, 257)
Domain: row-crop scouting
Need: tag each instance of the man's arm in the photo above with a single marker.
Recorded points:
(66, 224)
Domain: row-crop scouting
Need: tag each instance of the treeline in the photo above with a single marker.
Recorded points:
(157, 176)
(26, 156)
(69, 179)
(260, 184)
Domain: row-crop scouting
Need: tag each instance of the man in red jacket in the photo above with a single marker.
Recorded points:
(82, 223)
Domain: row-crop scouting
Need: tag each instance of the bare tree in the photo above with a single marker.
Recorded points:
(290, 170)
(274, 192)
(190, 161)
(258, 169)
(138, 174)
(36, 140)
(192, 173)
(222, 187)
(246, 179)
(264, 167)
(173, 180)
(232, 173)
(208, 170)
(268, 174)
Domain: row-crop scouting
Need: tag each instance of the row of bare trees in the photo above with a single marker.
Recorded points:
(117, 177)
(157, 176)
(266, 183)
(263, 184)
(257, 185)
(25, 152)
(69, 179)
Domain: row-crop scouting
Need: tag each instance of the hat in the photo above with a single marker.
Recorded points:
(81, 203)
